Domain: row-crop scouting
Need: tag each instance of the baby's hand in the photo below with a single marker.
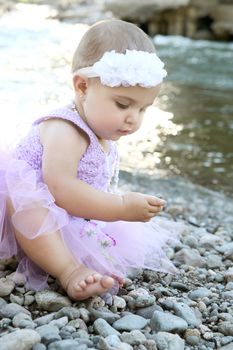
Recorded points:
(141, 207)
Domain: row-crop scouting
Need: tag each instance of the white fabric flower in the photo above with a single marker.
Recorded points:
(129, 69)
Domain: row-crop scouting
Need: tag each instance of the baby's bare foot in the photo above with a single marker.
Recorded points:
(81, 282)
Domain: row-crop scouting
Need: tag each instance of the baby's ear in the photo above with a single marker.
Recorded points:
(80, 84)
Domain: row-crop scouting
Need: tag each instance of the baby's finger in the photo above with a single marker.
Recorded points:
(155, 201)
(155, 209)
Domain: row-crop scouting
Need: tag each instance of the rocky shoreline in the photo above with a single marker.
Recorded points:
(210, 19)
(192, 310)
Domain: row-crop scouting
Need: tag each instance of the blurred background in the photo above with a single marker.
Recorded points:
(189, 130)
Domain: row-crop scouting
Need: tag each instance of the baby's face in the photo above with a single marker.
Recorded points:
(115, 112)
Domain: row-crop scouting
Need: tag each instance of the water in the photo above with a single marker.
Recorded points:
(199, 93)
(188, 132)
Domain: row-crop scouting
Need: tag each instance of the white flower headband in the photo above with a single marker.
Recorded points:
(129, 69)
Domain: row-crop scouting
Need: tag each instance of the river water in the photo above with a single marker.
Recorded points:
(189, 131)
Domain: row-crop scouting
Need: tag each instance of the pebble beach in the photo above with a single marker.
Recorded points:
(192, 310)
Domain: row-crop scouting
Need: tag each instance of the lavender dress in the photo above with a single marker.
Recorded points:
(107, 247)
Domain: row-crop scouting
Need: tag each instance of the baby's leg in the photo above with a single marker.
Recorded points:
(51, 254)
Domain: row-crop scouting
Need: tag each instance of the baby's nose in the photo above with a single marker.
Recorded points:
(132, 118)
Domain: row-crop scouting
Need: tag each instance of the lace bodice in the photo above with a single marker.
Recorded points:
(96, 167)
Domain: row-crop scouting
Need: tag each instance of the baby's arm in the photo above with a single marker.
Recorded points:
(63, 147)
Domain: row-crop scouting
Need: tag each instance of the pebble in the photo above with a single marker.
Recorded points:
(168, 341)
(103, 328)
(130, 323)
(199, 293)
(167, 322)
(12, 309)
(107, 315)
(51, 301)
(67, 344)
(133, 338)
(191, 310)
(192, 336)
(184, 311)
(22, 339)
(6, 287)
(48, 334)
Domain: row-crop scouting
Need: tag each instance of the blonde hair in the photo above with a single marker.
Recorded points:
(106, 36)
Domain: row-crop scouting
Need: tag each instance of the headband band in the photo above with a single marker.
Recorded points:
(132, 68)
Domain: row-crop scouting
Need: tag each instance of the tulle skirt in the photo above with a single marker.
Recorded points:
(111, 248)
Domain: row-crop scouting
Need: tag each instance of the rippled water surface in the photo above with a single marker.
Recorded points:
(189, 131)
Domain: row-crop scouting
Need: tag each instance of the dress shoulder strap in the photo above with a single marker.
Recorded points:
(70, 114)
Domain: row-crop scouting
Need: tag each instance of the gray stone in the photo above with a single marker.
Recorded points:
(22, 320)
(12, 309)
(40, 321)
(60, 322)
(113, 340)
(214, 261)
(6, 287)
(18, 299)
(210, 241)
(22, 339)
(199, 293)
(39, 346)
(184, 311)
(28, 300)
(226, 328)
(71, 312)
(192, 336)
(104, 313)
(49, 334)
(51, 301)
(67, 344)
(103, 328)
(134, 9)
(228, 295)
(227, 347)
(119, 302)
(168, 341)
(147, 312)
(144, 300)
(2, 302)
(133, 338)
(130, 323)
(229, 275)
(190, 257)
(167, 322)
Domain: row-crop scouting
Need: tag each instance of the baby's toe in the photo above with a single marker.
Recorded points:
(90, 279)
(82, 284)
(107, 282)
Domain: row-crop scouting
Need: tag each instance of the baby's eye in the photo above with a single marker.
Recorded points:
(121, 105)
(142, 110)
